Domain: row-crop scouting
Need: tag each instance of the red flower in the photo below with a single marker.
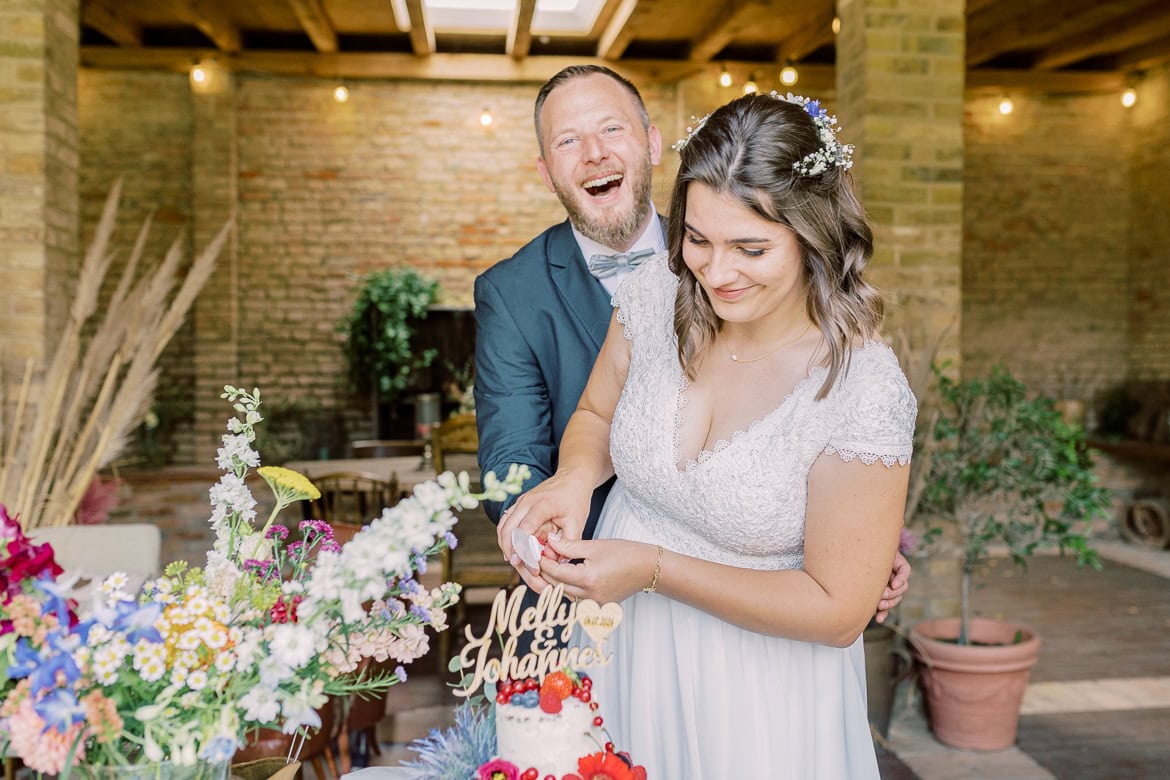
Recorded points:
(20, 561)
(498, 769)
(606, 766)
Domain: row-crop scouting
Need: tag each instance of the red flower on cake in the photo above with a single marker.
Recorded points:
(607, 766)
(498, 769)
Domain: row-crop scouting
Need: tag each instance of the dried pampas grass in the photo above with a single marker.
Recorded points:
(94, 391)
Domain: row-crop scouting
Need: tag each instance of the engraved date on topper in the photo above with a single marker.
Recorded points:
(598, 620)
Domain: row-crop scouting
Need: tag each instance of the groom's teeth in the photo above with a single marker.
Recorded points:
(603, 180)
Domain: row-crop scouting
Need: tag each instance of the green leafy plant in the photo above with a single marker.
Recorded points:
(379, 329)
(1005, 467)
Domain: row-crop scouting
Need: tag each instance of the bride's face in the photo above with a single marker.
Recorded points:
(750, 267)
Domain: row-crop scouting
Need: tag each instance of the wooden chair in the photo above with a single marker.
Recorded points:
(386, 448)
(353, 497)
(456, 434)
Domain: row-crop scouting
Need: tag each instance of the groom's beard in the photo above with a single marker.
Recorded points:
(616, 231)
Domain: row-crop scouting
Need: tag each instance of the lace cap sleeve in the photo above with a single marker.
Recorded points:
(874, 410)
(641, 297)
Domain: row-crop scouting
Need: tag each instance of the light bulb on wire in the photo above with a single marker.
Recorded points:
(1129, 97)
(750, 87)
(198, 74)
(341, 93)
(725, 78)
(485, 117)
(1006, 106)
(788, 75)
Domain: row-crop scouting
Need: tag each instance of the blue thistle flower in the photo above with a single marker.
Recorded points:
(456, 753)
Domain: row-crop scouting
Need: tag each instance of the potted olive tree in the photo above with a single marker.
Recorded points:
(1000, 468)
(379, 333)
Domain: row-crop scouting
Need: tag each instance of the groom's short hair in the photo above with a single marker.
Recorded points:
(579, 71)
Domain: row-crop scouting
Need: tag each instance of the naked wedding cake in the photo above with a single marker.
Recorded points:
(548, 726)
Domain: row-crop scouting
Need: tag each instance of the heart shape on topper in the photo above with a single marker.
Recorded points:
(598, 620)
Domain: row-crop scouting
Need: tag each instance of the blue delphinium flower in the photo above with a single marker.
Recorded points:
(59, 709)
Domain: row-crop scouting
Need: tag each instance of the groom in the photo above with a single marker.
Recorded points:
(542, 314)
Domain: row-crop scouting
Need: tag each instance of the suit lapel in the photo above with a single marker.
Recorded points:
(583, 296)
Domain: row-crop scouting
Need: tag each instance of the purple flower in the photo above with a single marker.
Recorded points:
(907, 542)
(421, 613)
(451, 539)
(278, 531)
(400, 673)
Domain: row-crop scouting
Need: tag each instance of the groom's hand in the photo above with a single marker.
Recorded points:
(896, 589)
(555, 505)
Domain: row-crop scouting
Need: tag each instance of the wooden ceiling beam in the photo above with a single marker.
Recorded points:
(520, 32)
(808, 37)
(721, 30)
(1136, 29)
(211, 20)
(1032, 26)
(1151, 55)
(316, 24)
(1045, 82)
(422, 35)
(111, 22)
(618, 33)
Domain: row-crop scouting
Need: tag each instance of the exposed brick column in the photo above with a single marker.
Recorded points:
(217, 310)
(900, 82)
(38, 175)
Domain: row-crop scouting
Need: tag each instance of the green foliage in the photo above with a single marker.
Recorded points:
(379, 328)
(1005, 467)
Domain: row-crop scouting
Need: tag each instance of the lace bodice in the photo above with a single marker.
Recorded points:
(741, 503)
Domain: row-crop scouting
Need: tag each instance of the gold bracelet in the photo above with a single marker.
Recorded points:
(657, 570)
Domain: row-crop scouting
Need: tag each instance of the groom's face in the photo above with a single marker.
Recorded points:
(598, 158)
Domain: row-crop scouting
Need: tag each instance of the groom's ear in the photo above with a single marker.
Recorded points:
(655, 139)
(548, 182)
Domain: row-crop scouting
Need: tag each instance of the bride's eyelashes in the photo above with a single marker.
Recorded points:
(696, 240)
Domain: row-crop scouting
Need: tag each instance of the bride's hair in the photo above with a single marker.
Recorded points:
(747, 149)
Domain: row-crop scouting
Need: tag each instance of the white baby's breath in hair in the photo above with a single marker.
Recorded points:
(832, 152)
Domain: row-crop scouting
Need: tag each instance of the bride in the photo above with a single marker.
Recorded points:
(760, 433)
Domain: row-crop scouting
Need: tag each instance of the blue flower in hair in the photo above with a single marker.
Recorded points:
(813, 109)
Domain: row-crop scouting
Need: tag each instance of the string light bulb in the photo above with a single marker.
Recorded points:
(1006, 106)
(1129, 97)
(836, 25)
(788, 75)
(750, 87)
(725, 78)
(198, 74)
(485, 118)
(341, 93)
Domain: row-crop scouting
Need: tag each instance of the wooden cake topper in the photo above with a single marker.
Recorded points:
(551, 623)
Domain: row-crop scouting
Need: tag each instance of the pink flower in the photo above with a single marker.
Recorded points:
(498, 769)
(907, 542)
(100, 497)
(40, 749)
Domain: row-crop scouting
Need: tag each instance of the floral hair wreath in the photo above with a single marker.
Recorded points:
(832, 153)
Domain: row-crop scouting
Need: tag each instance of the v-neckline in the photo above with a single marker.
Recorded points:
(707, 453)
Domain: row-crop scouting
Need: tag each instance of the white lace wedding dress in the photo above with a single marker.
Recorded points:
(691, 696)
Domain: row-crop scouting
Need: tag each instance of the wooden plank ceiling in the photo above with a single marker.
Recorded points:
(1040, 44)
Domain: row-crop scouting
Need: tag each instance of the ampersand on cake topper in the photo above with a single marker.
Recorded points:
(551, 623)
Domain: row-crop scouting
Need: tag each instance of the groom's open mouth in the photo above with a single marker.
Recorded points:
(602, 185)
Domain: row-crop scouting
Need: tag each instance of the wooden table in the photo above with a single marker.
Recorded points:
(406, 467)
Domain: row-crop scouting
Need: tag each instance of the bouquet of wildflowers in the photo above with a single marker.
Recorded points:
(261, 636)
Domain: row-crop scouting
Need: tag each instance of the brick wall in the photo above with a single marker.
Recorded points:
(1047, 241)
(1149, 248)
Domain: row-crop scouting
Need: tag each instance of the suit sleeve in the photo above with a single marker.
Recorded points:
(512, 407)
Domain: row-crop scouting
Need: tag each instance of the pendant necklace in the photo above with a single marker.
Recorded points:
(737, 359)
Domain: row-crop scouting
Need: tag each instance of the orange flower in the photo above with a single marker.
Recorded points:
(603, 766)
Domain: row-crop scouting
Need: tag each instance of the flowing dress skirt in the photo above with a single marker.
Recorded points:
(692, 697)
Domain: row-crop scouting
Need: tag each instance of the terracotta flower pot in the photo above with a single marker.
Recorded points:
(974, 692)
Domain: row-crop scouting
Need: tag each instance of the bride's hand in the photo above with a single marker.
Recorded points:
(557, 506)
(609, 569)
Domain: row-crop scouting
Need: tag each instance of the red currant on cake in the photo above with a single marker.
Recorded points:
(530, 774)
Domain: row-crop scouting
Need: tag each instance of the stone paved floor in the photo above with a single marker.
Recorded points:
(1098, 707)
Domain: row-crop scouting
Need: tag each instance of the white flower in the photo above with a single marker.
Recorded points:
(197, 680)
(300, 708)
(260, 705)
(293, 644)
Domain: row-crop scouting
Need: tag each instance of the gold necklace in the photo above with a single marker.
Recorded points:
(737, 359)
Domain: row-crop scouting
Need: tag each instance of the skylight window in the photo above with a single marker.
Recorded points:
(494, 17)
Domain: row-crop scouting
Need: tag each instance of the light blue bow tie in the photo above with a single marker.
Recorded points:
(603, 266)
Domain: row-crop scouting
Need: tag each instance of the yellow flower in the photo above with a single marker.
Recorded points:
(289, 485)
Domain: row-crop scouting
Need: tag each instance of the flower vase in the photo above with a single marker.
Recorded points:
(156, 770)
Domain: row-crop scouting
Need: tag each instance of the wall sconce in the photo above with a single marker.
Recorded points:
(1006, 106)
(1129, 97)
(341, 93)
(788, 75)
(725, 78)
(750, 87)
(485, 118)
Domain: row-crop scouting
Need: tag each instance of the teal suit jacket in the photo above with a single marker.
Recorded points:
(540, 319)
